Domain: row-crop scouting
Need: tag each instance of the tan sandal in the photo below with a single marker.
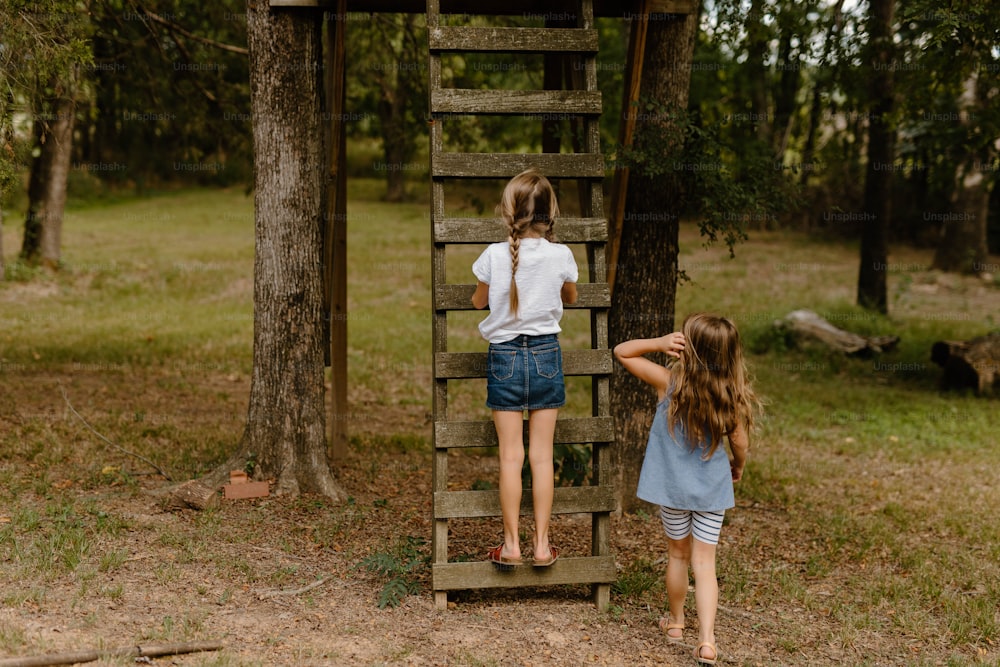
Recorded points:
(703, 660)
(666, 626)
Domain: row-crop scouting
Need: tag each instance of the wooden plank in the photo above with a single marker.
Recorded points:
(626, 129)
(467, 365)
(524, 40)
(609, 8)
(482, 433)
(459, 297)
(491, 230)
(508, 165)
(483, 574)
(567, 500)
(528, 103)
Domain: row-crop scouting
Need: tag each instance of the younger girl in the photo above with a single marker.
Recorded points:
(703, 397)
(525, 280)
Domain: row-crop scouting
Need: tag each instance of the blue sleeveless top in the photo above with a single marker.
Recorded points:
(676, 476)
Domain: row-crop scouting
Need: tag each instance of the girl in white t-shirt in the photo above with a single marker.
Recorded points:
(525, 280)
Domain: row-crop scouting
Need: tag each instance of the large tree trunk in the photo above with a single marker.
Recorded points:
(286, 429)
(3, 269)
(47, 185)
(963, 247)
(872, 290)
(646, 276)
(757, 71)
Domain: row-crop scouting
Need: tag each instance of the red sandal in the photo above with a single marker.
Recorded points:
(497, 558)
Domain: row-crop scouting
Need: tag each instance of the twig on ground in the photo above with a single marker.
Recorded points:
(121, 449)
(294, 591)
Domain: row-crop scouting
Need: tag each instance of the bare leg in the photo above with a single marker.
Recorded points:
(679, 554)
(509, 425)
(706, 592)
(541, 431)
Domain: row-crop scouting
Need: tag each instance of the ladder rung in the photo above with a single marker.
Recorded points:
(507, 165)
(483, 574)
(466, 365)
(459, 297)
(483, 433)
(491, 230)
(527, 40)
(541, 104)
(567, 500)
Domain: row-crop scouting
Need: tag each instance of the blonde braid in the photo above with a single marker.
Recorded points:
(523, 206)
(515, 249)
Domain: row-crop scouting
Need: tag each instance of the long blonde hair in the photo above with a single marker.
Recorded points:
(712, 393)
(528, 202)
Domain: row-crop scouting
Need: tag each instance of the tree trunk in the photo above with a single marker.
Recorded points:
(3, 269)
(49, 175)
(286, 430)
(963, 247)
(756, 41)
(872, 290)
(646, 278)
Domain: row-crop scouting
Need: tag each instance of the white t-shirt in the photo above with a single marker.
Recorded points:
(542, 269)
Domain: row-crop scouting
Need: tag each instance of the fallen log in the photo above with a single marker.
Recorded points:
(74, 657)
(806, 323)
(192, 495)
(970, 364)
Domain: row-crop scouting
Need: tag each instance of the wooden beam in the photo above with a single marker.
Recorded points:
(626, 129)
(528, 8)
(567, 500)
(489, 230)
(482, 433)
(459, 296)
(524, 40)
(508, 165)
(530, 103)
(335, 233)
(467, 365)
(483, 574)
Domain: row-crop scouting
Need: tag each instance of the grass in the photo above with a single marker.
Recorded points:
(867, 501)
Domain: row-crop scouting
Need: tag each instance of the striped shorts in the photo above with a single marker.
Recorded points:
(706, 526)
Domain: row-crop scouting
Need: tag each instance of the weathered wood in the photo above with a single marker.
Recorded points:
(626, 130)
(482, 574)
(609, 8)
(455, 434)
(559, 103)
(465, 365)
(508, 165)
(524, 40)
(76, 657)
(491, 230)
(459, 297)
(807, 324)
(581, 103)
(335, 232)
(567, 500)
(192, 495)
(971, 364)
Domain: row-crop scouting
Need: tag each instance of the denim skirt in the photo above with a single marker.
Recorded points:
(525, 373)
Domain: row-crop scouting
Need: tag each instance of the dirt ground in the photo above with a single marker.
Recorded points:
(277, 581)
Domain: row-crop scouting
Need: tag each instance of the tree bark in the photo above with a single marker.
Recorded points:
(872, 289)
(646, 277)
(49, 176)
(286, 422)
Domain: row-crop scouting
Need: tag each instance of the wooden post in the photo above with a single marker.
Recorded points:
(335, 233)
(630, 95)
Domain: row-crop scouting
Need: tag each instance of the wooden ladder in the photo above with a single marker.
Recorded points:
(591, 229)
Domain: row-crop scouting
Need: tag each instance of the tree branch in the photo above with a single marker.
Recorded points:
(121, 449)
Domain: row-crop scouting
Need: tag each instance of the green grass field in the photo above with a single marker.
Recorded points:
(868, 504)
